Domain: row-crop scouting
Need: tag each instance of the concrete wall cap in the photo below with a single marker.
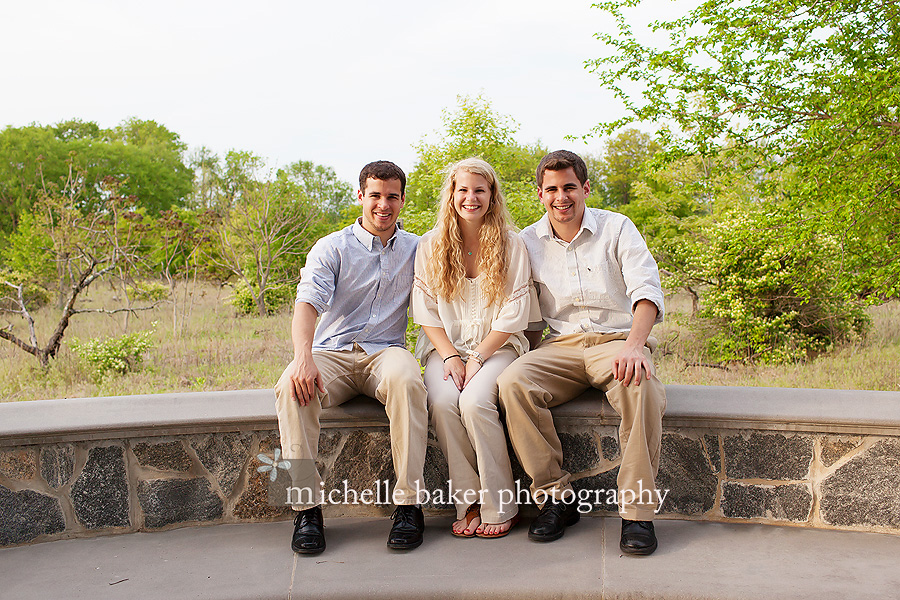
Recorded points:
(838, 411)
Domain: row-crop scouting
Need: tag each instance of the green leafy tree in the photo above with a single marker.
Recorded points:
(615, 172)
(320, 185)
(814, 84)
(144, 156)
(473, 129)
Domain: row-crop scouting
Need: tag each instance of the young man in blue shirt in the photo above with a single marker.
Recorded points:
(357, 283)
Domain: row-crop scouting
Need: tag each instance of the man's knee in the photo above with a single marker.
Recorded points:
(398, 367)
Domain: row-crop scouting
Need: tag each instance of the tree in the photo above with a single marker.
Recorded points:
(268, 224)
(473, 130)
(76, 248)
(615, 172)
(814, 84)
(177, 239)
(320, 185)
(145, 157)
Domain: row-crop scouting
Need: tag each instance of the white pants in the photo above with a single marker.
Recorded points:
(470, 434)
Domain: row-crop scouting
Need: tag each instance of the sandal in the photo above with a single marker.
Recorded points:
(489, 536)
(473, 511)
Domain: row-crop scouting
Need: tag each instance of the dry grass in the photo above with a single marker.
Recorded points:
(869, 364)
(216, 350)
(219, 350)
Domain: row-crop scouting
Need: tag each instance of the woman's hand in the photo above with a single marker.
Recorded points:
(472, 367)
(455, 368)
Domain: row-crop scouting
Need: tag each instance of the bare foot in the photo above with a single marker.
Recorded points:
(496, 529)
(467, 526)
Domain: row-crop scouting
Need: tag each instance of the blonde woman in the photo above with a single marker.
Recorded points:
(473, 298)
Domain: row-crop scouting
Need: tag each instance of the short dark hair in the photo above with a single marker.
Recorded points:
(560, 160)
(383, 170)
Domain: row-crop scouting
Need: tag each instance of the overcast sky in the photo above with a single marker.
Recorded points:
(340, 83)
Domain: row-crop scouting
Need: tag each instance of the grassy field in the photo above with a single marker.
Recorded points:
(213, 348)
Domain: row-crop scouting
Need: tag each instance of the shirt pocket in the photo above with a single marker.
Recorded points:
(598, 287)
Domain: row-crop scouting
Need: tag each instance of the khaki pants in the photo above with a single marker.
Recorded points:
(559, 370)
(392, 377)
(469, 432)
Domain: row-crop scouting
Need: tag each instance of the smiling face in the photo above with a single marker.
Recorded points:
(471, 197)
(381, 203)
(563, 196)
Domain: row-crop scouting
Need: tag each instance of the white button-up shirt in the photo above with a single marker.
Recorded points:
(591, 284)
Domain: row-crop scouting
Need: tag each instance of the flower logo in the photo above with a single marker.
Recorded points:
(272, 464)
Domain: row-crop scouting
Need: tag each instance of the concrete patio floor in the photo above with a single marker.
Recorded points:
(253, 561)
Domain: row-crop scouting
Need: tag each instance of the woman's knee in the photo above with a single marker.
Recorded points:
(478, 404)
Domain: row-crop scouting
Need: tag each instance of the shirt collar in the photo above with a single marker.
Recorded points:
(367, 239)
(588, 222)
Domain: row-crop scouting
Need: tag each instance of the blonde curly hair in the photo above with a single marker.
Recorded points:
(446, 266)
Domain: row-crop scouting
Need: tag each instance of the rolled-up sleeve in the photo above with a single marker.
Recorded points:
(319, 276)
(517, 311)
(639, 269)
(423, 304)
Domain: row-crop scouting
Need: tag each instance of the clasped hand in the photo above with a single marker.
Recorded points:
(460, 372)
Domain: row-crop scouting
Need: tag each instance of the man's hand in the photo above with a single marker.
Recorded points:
(455, 368)
(305, 379)
(627, 365)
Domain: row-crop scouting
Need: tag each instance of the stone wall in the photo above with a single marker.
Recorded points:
(73, 468)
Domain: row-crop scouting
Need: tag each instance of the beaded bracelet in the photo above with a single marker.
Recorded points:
(476, 356)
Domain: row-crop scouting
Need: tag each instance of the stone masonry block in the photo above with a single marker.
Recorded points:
(834, 448)
(597, 492)
(27, 514)
(167, 501)
(436, 476)
(364, 461)
(165, 456)
(57, 464)
(609, 446)
(100, 493)
(768, 456)
(18, 463)
(224, 456)
(580, 451)
(790, 502)
(865, 490)
(712, 451)
(685, 472)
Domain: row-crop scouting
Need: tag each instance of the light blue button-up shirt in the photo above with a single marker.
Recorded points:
(360, 288)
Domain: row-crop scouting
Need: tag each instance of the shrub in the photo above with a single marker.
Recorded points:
(113, 355)
(275, 297)
(775, 291)
(149, 291)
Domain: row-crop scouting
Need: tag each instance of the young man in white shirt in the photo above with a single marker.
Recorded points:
(600, 295)
(357, 283)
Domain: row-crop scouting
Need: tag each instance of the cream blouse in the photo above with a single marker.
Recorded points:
(468, 319)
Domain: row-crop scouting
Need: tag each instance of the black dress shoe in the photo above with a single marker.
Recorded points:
(408, 528)
(638, 537)
(309, 534)
(551, 522)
